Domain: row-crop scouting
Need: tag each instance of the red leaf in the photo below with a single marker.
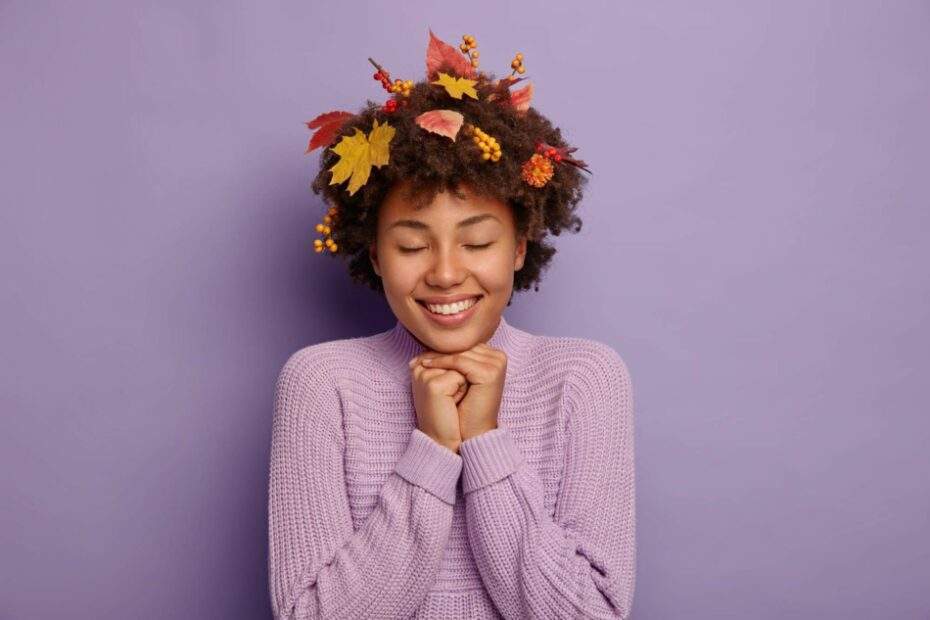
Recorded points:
(520, 98)
(444, 122)
(327, 125)
(440, 55)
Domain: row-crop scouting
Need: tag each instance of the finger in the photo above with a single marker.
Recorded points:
(447, 381)
(484, 358)
(475, 368)
(424, 374)
(467, 353)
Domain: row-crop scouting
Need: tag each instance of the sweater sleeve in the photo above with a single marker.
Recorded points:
(319, 566)
(579, 563)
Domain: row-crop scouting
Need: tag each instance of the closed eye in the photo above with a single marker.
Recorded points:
(470, 247)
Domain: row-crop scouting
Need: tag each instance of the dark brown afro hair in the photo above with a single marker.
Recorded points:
(434, 163)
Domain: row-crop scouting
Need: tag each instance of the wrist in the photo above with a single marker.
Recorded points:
(451, 445)
(466, 435)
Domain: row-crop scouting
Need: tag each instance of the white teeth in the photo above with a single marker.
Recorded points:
(455, 308)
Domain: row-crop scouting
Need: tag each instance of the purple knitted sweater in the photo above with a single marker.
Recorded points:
(371, 518)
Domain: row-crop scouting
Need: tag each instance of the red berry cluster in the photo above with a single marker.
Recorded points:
(382, 75)
(401, 87)
(550, 152)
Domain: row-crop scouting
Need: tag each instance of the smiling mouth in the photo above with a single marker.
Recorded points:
(477, 298)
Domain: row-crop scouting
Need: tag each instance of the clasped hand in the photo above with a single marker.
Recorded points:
(477, 376)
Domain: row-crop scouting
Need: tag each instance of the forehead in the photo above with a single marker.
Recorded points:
(440, 205)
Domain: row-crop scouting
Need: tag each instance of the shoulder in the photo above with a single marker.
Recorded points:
(316, 371)
(308, 394)
(580, 359)
(327, 361)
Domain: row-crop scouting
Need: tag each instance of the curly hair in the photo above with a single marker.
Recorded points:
(429, 163)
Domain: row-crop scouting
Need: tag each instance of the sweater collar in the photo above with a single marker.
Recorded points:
(402, 345)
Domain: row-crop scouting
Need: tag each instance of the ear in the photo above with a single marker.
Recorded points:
(373, 257)
(520, 254)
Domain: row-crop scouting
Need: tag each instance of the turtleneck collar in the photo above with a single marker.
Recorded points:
(402, 346)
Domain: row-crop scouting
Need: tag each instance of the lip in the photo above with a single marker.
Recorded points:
(451, 299)
(452, 320)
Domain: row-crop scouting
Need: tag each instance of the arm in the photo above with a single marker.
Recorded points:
(318, 566)
(581, 563)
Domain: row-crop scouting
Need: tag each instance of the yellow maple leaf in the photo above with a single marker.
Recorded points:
(378, 139)
(358, 153)
(457, 86)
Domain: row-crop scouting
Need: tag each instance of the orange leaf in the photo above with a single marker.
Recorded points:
(326, 126)
(440, 55)
(444, 122)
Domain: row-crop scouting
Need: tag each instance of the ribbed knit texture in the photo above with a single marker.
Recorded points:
(371, 518)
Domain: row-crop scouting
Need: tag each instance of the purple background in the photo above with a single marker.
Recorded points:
(753, 247)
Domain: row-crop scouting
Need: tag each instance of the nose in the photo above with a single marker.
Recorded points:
(447, 269)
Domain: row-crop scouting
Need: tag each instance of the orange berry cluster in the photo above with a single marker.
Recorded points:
(468, 45)
(537, 170)
(490, 148)
(402, 86)
(325, 228)
(517, 64)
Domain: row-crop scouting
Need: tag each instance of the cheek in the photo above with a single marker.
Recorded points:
(494, 270)
(400, 272)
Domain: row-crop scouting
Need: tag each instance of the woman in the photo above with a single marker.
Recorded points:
(454, 465)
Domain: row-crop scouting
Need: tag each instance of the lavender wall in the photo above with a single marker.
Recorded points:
(753, 247)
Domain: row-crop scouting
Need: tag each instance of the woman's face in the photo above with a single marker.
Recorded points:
(459, 246)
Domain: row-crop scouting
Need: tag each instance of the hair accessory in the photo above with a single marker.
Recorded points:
(358, 153)
(560, 155)
(490, 149)
(325, 228)
(456, 71)
(537, 170)
(444, 122)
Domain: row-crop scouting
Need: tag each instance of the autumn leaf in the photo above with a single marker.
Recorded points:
(358, 153)
(326, 125)
(354, 161)
(378, 140)
(520, 98)
(456, 87)
(563, 153)
(441, 55)
(443, 122)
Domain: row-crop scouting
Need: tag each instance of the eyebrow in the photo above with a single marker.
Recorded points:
(418, 225)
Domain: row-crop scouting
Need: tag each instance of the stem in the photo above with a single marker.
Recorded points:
(379, 67)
